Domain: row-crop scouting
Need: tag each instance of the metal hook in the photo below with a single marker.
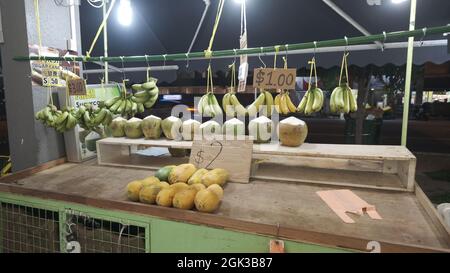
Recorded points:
(123, 68)
(259, 57)
(346, 43)
(384, 41)
(235, 55)
(164, 56)
(315, 48)
(286, 49)
(146, 60)
(424, 30)
(69, 227)
(187, 60)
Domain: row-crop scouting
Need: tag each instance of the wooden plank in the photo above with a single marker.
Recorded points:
(374, 152)
(235, 156)
(146, 142)
(30, 171)
(407, 173)
(343, 178)
(323, 163)
(432, 212)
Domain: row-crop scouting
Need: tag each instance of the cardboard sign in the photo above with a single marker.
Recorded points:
(235, 156)
(278, 78)
(51, 74)
(77, 87)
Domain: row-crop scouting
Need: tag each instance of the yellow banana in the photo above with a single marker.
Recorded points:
(353, 103)
(269, 103)
(277, 103)
(309, 104)
(318, 100)
(253, 108)
(283, 104)
(290, 105)
(240, 110)
(346, 100)
(302, 105)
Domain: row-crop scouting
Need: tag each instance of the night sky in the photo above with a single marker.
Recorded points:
(167, 26)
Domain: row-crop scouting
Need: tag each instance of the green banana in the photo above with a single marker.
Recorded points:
(100, 116)
(137, 87)
(114, 108)
(140, 107)
(318, 100)
(62, 118)
(71, 122)
(302, 106)
(111, 101)
(153, 92)
(150, 102)
(309, 104)
(216, 106)
(149, 85)
(346, 108)
(122, 106)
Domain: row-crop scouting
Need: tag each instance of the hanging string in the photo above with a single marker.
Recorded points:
(100, 29)
(38, 25)
(148, 68)
(277, 49)
(344, 67)
(233, 76)
(312, 70)
(209, 80)
(208, 52)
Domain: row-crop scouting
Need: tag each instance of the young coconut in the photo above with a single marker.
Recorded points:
(261, 129)
(151, 127)
(210, 129)
(292, 132)
(171, 127)
(117, 127)
(133, 128)
(190, 129)
(233, 128)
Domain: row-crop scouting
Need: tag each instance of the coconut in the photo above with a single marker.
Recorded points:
(233, 128)
(133, 128)
(190, 129)
(151, 127)
(292, 132)
(117, 127)
(261, 129)
(210, 129)
(171, 127)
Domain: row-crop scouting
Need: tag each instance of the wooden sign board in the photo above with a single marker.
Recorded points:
(77, 87)
(278, 78)
(235, 156)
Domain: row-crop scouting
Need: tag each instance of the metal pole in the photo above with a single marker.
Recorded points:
(105, 42)
(248, 51)
(409, 62)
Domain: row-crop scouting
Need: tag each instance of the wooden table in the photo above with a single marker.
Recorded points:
(290, 210)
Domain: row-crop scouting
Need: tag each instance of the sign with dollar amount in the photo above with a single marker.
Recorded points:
(278, 78)
(235, 156)
(51, 74)
(77, 87)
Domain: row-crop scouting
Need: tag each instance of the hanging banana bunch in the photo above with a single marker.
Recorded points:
(208, 105)
(283, 103)
(342, 99)
(61, 120)
(90, 117)
(313, 99)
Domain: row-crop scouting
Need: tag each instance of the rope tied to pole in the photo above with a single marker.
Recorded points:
(208, 51)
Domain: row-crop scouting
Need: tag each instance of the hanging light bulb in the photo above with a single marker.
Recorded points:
(239, 1)
(125, 15)
(398, 1)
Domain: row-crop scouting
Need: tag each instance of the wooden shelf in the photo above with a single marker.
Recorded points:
(380, 167)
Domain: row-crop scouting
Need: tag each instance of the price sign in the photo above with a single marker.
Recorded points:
(51, 74)
(278, 78)
(77, 87)
(235, 156)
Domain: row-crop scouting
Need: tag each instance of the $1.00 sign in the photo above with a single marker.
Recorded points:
(278, 78)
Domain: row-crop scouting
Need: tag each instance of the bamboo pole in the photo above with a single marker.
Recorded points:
(260, 50)
(409, 62)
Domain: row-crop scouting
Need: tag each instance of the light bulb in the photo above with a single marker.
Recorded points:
(398, 1)
(125, 13)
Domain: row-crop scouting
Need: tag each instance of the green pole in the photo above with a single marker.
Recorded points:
(259, 50)
(409, 62)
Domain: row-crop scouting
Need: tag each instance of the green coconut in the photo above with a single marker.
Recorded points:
(292, 132)
(210, 129)
(190, 128)
(260, 129)
(151, 127)
(117, 127)
(233, 128)
(133, 128)
(171, 127)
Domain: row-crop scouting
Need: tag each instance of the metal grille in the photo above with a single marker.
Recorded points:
(94, 234)
(28, 229)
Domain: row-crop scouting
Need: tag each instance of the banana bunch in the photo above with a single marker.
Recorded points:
(209, 106)
(342, 100)
(90, 118)
(61, 121)
(146, 94)
(124, 105)
(233, 107)
(283, 103)
(312, 101)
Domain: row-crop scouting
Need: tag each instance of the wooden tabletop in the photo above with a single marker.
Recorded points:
(293, 211)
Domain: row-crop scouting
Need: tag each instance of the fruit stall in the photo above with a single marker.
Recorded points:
(243, 180)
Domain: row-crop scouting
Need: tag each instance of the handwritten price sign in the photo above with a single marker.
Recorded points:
(278, 78)
(51, 74)
(77, 87)
(235, 156)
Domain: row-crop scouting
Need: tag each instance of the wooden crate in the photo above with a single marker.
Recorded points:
(368, 166)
